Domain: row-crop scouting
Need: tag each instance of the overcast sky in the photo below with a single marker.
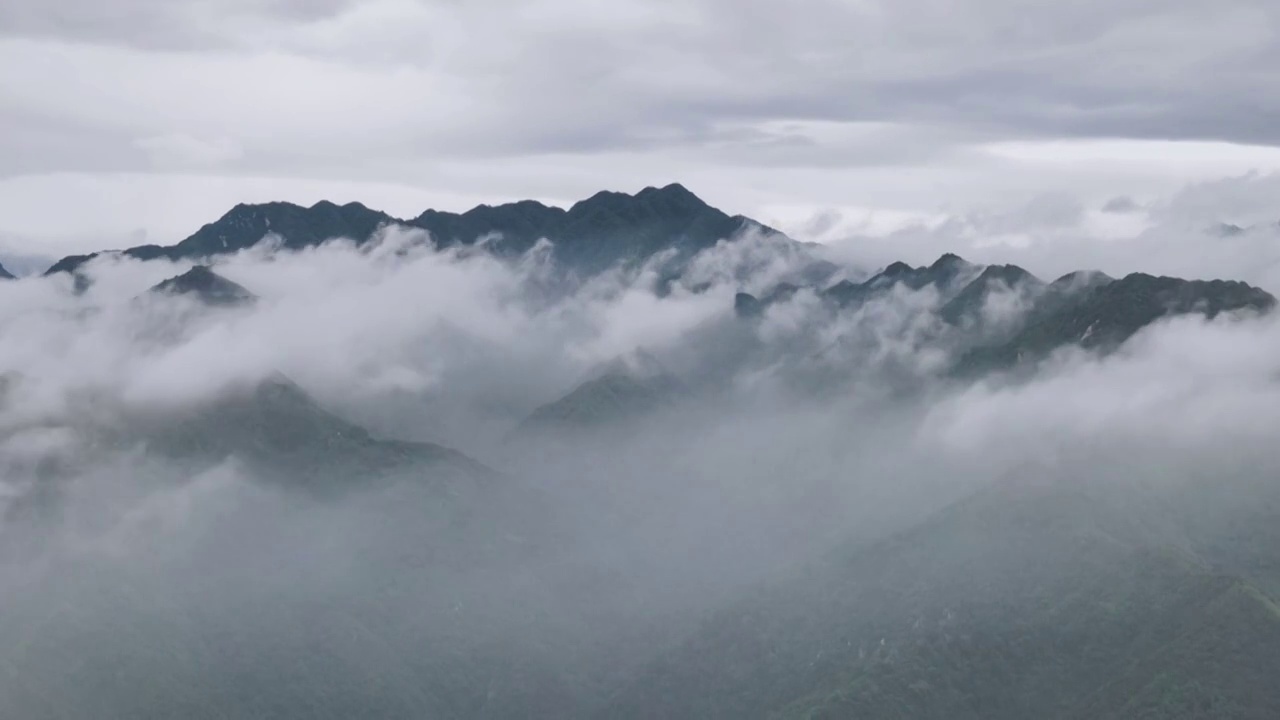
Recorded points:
(142, 119)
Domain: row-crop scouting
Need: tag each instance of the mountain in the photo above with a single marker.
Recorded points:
(6, 275)
(1102, 314)
(623, 390)
(971, 301)
(246, 225)
(1002, 315)
(596, 233)
(278, 429)
(1038, 597)
(365, 589)
(206, 286)
(610, 226)
(944, 274)
(602, 400)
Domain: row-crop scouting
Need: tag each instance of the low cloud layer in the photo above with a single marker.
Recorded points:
(801, 430)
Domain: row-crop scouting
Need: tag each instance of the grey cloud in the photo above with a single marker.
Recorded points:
(155, 24)
(1121, 205)
(447, 79)
(1180, 235)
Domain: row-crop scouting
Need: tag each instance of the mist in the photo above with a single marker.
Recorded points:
(542, 574)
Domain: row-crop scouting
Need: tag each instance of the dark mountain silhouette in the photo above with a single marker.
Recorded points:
(971, 300)
(6, 275)
(1102, 315)
(246, 225)
(1085, 308)
(205, 285)
(747, 305)
(946, 273)
(593, 234)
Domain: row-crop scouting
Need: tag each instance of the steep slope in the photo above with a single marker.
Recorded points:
(6, 275)
(995, 280)
(1103, 315)
(593, 234)
(1027, 600)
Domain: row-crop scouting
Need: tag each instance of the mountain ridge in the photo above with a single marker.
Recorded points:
(1087, 308)
(590, 235)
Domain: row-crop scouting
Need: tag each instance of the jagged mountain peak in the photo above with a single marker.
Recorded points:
(1101, 314)
(673, 193)
(1008, 274)
(674, 188)
(897, 269)
(970, 302)
(606, 228)
(947, 260)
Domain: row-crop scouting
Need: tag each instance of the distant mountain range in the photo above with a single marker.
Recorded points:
(1088, 310)
(608, 228)
(1083, 308)
(1050, 593)
(596, 233)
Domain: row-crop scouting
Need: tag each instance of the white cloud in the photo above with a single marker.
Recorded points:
(808, 104)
